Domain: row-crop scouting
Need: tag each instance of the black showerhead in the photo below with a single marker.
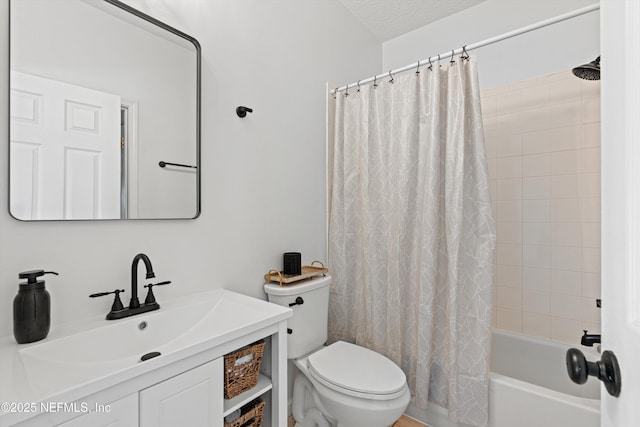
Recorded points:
(590, 71)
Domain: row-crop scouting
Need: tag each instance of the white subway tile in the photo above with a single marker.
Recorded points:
(565, 210)
(489, 105)
(535, 142)
(590, 88)
(508, 254)
(565, 186)
(536, 279)
(566, 258)
(509, 320)
(590, 159)
(590, 184)
(536, 325)
(566, 330)
(591, 285)
(591, 260)
(590, 234)
(536, 187)
(566, 306)
(536, 256)
(509, 123)
(536, 302)
(569, 89)
(535, 233)
(565, 138)
(592, 328)
(509, 189)
(510, 298)
(566, 282)
(535, 165)
(508, 102)
(590, 110)
(565, 114)
(591, 135)
(509, 211)
(509, 232)
(535, 96)
(509, 144)
(535, 119)
(590, 209)
(566, 234)
(509, 276)
(564, 162)
(536, 210)
(590, 312)
(509, 167)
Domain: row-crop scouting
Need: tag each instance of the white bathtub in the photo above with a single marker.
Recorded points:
(529, 387)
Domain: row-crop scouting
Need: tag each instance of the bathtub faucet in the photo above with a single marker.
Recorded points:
(589, 339)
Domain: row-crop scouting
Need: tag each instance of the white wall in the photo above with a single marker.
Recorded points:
(558, 47)
(263, 177)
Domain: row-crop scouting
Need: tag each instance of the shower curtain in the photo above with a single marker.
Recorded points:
(411, 233)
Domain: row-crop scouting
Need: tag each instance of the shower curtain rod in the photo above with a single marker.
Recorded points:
(467, 48)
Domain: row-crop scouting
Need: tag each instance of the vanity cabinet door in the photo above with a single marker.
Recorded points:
(121, 413)
(192, 399)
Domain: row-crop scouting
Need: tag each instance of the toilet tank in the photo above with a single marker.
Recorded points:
(309, 322)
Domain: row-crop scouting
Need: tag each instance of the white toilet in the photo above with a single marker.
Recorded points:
(342, 384)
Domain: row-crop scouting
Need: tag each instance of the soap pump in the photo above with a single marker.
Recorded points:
(31, 308)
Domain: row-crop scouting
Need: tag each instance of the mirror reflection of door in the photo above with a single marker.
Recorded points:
(65, 151)
(107, 47)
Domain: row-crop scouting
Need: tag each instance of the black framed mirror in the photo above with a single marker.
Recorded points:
(104, 113)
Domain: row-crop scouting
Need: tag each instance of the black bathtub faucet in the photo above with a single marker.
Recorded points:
(589, 339)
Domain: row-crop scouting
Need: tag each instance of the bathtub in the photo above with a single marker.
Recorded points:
(529, 387)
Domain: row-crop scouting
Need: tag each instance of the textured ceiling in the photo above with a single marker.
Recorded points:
(390, 18)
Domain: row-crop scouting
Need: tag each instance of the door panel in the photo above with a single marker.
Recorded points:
(77, 132)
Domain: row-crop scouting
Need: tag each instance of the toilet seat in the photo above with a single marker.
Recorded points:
(357, 371)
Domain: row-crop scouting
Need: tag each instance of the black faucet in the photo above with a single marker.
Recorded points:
(150, 304)
(589, 339)
(134, 302)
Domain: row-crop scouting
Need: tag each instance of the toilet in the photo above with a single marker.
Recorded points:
(342, 384)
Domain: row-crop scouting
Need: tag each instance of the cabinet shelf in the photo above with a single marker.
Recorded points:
(263, 386)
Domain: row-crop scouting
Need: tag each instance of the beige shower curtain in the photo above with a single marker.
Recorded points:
(411, 233)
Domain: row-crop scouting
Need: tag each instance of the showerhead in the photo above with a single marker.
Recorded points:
(590, 71)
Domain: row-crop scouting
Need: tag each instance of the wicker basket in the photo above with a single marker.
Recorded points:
(241, 369)
(251, 415)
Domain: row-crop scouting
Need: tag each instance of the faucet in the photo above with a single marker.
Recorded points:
(118, 311)
(589, 339)
(134, 302)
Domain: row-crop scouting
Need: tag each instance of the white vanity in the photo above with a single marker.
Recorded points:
(92, 375)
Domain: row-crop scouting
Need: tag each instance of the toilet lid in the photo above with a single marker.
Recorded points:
(351, 367)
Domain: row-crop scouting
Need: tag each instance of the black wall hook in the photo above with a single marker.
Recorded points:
(242, 111)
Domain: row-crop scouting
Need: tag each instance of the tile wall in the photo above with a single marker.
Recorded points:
(543, 147)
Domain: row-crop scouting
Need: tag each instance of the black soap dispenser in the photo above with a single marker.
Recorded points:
(32, 308)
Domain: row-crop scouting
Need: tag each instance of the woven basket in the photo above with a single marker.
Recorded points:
(241, 369)
(251, 415)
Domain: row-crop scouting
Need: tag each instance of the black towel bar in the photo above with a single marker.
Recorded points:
(163, 164)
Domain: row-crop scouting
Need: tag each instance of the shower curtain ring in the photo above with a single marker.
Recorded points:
(418, 68)
(346, 91)
(375, 82)
(453, 59)
(390, 81)
(439, 64)
(358, 85)
(464, 55)
(430, 65)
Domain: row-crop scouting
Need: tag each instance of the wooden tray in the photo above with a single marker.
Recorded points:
(307, 271)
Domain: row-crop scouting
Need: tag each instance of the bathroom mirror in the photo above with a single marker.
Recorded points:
(104, 113)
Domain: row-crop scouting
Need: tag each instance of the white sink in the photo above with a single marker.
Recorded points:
(119, 344)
